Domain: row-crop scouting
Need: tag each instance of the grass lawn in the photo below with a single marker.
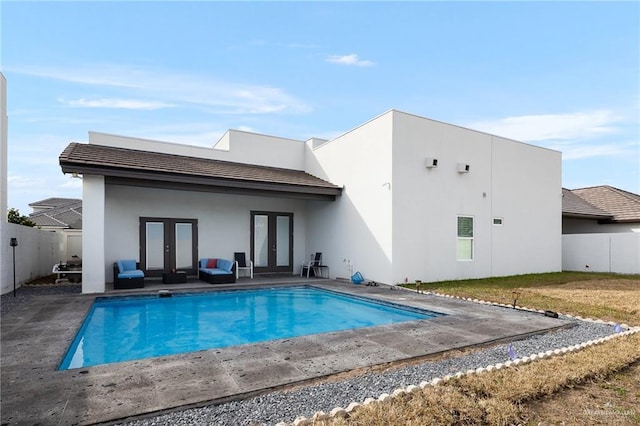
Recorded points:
(599, 385)
(610, 297)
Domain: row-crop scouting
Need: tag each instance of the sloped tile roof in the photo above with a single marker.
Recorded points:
(573, 205)
(67, 216)
(54, 202)
(82, 157)
(624, 206)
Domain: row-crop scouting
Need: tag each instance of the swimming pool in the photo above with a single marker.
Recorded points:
(127, 328)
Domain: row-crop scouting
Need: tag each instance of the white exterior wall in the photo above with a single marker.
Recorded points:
(70, 243)
(397, 219)
(36, 253)
(519, 183)
(93, 234)
(585, 226)
(427, 202)
(614, 252)
(527, 194)
(235, 145)
(357, 226)
(223, 221)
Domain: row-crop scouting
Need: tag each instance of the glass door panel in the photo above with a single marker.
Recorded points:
(272, 242)
(184, 246)
(261, 240)
(155, 246)
(282, 241)
(167, 244)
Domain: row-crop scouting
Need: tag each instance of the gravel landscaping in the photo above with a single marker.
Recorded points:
(27, 292)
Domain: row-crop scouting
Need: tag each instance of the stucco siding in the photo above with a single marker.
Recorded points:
(357, 226)
(94, 229)
(427, 201)
(236, 146)
(515, 182)
(527, 193)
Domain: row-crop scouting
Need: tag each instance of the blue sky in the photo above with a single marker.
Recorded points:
(559, 75)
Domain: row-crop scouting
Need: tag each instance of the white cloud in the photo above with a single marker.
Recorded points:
(543, 127)
(582, 151)
(115, 103)
(352, 60)
(174, 88)
(72, 183)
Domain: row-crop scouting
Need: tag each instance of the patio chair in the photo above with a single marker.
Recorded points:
(314, 266)
(127, 274)
(241, 263)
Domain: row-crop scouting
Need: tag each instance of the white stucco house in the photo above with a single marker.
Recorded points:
(400, 196)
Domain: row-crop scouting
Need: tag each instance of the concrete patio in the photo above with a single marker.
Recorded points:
(36, 335)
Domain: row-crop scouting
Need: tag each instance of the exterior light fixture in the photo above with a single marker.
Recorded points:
(14, 243)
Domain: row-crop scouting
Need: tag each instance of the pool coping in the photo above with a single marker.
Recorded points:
(36, 336)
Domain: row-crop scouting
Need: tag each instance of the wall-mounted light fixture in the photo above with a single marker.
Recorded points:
(463, 168)
(14, 243)
(430, 162)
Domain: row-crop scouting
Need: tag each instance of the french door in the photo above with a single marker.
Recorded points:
(272, 241)
(167, 244)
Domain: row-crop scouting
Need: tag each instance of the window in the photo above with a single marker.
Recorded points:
(465, 238)
(497, 221)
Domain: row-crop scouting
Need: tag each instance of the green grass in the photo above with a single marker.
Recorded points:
(500, 289)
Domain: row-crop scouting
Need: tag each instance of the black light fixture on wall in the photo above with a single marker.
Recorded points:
(14, 243)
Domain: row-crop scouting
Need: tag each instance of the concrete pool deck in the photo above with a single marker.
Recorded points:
(36, 335)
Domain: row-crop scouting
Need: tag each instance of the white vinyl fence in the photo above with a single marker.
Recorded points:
(35, 255)
(618, 252)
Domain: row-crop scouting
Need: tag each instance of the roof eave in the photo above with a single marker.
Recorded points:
(586, 216)
(200, 183)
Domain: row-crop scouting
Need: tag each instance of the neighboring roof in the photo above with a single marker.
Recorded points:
(135, 167)
(574, 206)
(624, 206)
(54, 202)
(66, 216)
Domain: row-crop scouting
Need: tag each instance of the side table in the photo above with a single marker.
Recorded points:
(174, 278)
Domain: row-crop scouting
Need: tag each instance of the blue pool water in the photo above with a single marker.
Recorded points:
(127, 328)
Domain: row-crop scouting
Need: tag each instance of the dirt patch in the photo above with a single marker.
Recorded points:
(622, 293)
(611, 401)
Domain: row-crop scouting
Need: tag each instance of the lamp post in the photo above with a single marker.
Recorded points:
(13, 243)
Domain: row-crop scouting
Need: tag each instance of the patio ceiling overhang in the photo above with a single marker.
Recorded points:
(600, 218)
(122, 166)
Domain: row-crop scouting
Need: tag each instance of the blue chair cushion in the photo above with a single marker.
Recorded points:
(126, 265)
(136, 273)
(215, 271)
(225, 265)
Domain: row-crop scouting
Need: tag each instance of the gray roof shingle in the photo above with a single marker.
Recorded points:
(624, 206)
(67, 216)
(53, 202)
(573, 205)
(79, 157)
